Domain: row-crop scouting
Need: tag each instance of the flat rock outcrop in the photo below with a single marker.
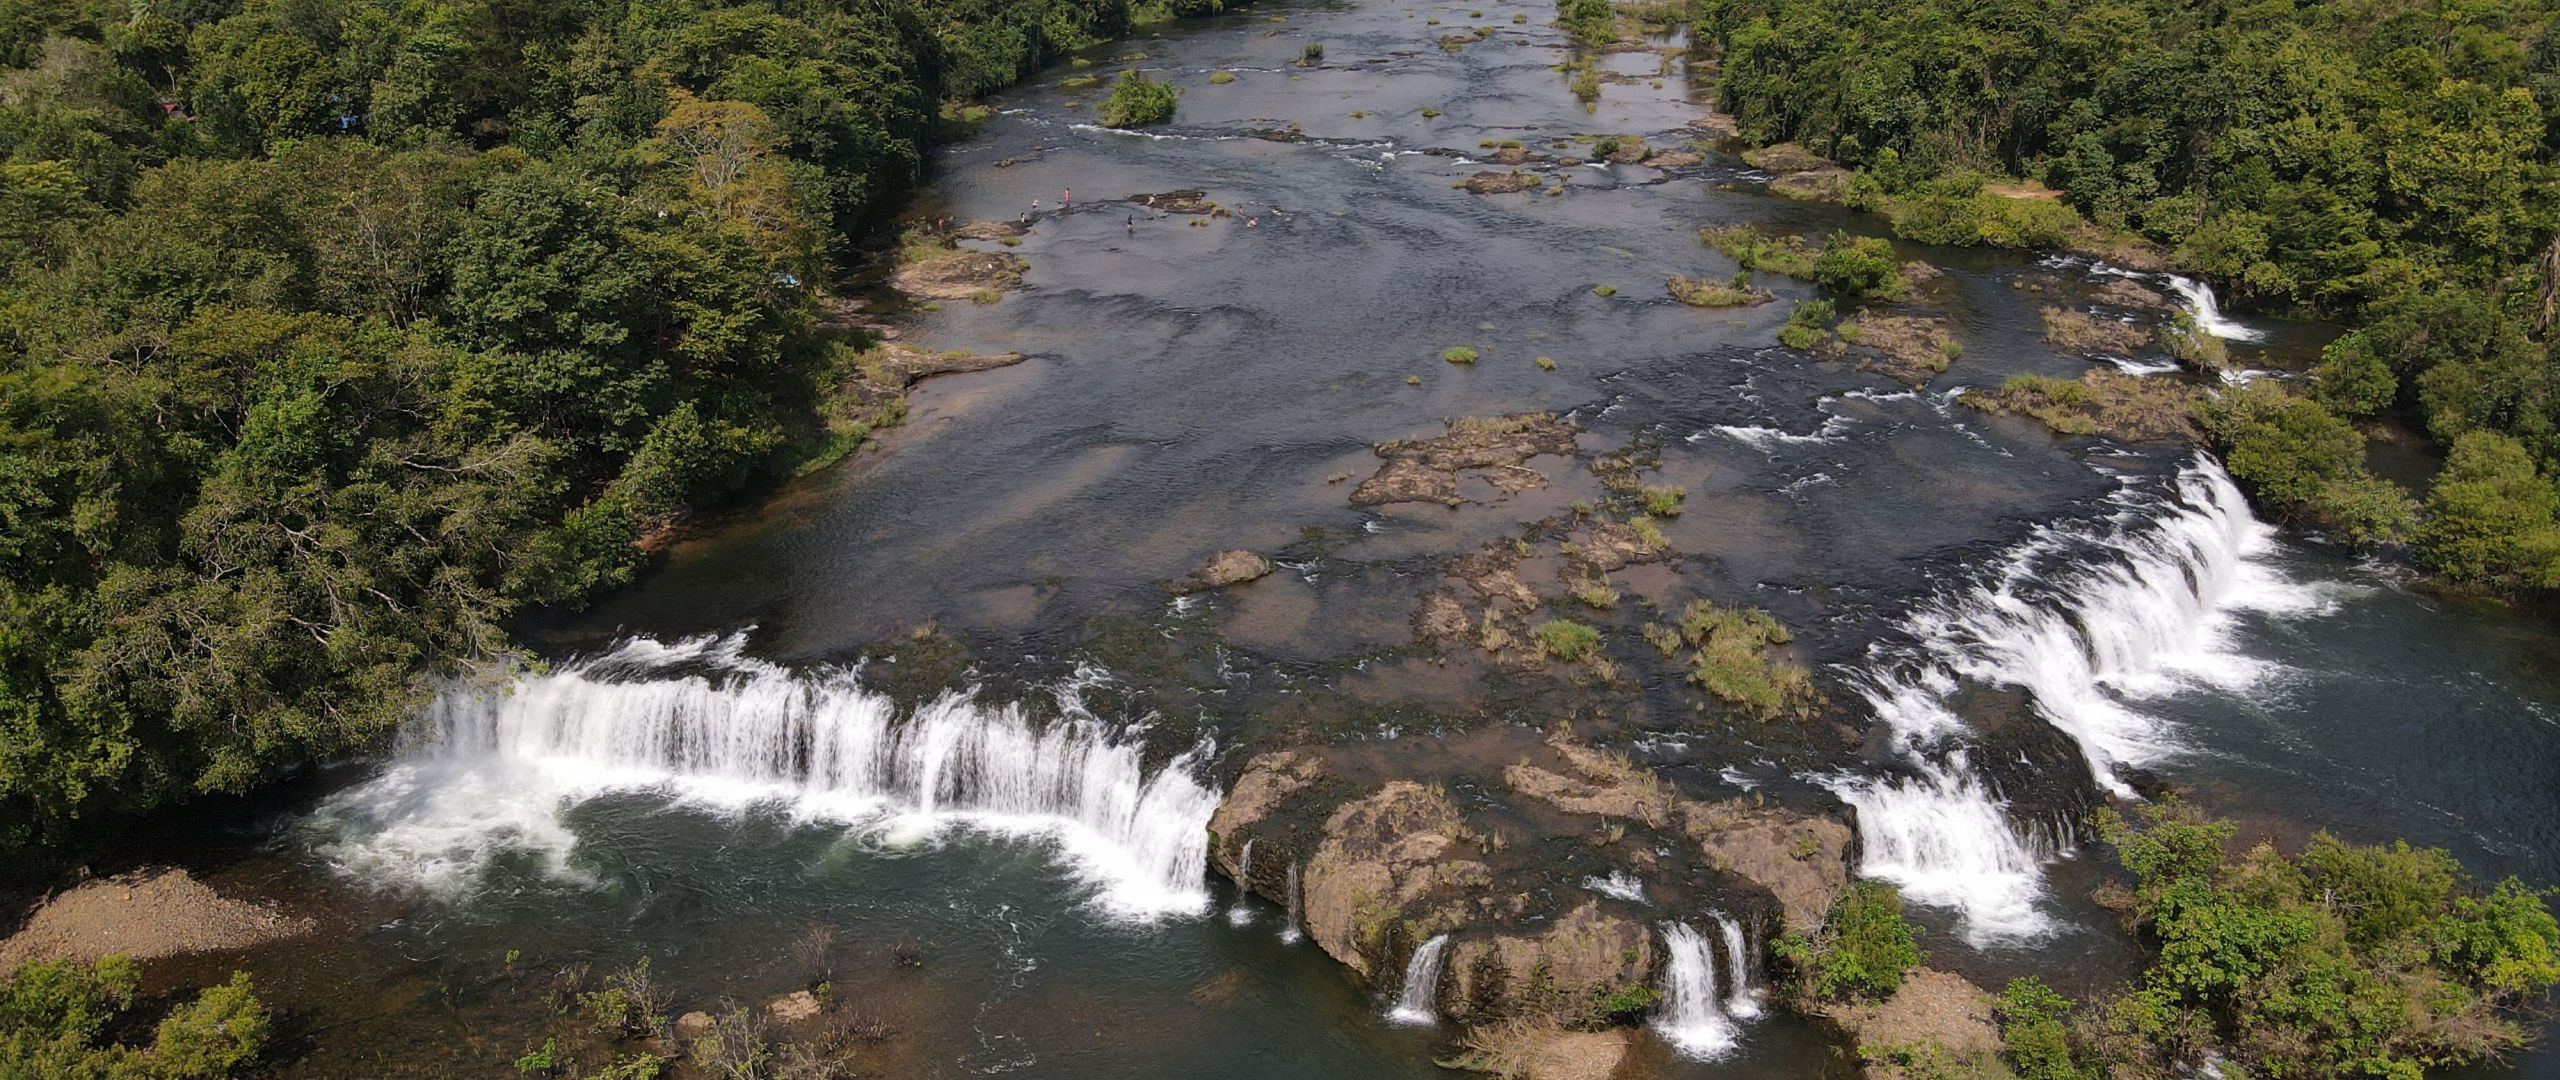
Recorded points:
(1394, 861)
(1426, 470)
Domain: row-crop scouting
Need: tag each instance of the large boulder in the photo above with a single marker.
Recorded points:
(1802, 859)
(1560, 974)
(1398, 860)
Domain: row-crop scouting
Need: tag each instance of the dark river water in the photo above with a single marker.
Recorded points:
(1193, 388)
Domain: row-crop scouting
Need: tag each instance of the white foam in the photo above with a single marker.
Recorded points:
(489, 769)
(1417, 1005)
(2208, 313)
(1619, 885)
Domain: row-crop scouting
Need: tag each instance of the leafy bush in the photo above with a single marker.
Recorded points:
(1567, 640)
(1805, 325)
(1861, 266)
(1137, 101)
(56, 1018)
(2032, 1033)
(1862, 950)
(1662, 501)
(1458, 354)
(2492, 518)
(2294, 453)
(2343, 961)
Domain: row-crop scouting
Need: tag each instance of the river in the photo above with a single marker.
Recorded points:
(719, 758)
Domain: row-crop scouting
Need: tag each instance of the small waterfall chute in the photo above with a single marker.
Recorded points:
(1417, 1003)
(1692, 1018)
(1740, 999)
(2207, 312)
(1242, 912)
(1290, 932)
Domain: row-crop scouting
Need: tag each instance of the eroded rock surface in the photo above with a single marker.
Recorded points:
(1234, 567)
(1426, 470)
(1932, 1010)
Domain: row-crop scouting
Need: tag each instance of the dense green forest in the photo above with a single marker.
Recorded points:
(334, 332)
(2386, 163)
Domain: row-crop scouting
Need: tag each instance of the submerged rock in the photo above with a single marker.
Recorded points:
(1225, 568)
(1426, 470)
(959, 274)
(1500, 183)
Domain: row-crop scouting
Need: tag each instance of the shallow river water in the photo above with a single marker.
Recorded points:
(722, 770)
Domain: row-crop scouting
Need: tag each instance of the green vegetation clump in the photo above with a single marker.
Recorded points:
(67, 1018)
(1313, 54)
(1860, 266)
(2121, 406)
(1662, 501)
(1546, 363)
(1221, 78)
(1756, 250)
(1604, 291)
(2493, 517)
(2343, 960)
(1862, 951)
(1458, 354)
(1588, 22)
(1567, 640)
(2305, 462)
(1807, 324)
(1137, 101)
(1731, 661)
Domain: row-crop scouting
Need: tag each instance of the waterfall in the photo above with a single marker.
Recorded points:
(1242, 913)
(1691, 1019)
(2089, 619)
(1290, 932)
(1739, 999)
(2207, 313)
(491, 767)
(1418, 1003)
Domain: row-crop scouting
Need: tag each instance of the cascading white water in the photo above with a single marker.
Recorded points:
(1290, 932)
(2207, 313)
(2088, 620)
(1242, 912)
(1740, 999)
(491, 767)
(1691, 1019)
(1418, 1002)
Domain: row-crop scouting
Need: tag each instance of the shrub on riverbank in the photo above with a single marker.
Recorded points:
(1137, 101)
(2305, 463)
(1862, 950)
(66, 1018)
(2343, 960)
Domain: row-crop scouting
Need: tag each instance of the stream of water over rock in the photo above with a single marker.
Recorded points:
(718, 758)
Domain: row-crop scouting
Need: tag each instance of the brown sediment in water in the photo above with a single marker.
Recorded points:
(1426, 470)
(2082, 332)
(145, 915)
(1909, 348)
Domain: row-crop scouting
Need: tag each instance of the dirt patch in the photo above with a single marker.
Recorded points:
(1440, 618)
(890, 369)
(1705, 292)
(1935, 1015)
(1426, 470)
(2127, 293)
(959, 274)
(1223, 569)
(1786, 157)
(2116, 249)
(2081, 332)
(2101, 402)
(146, 915)
(1910, 348)
(2021, 189)
(1608, 545)
(1533, 1049)
(1814, 185)
(1501, 183)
